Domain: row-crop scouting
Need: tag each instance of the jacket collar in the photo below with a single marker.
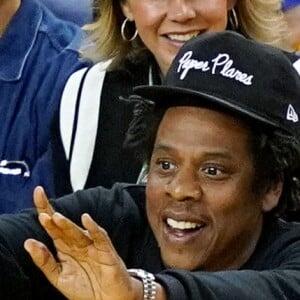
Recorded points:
(18, 40)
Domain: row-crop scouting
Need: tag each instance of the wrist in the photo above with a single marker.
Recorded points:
(137, 288)
(147, 289)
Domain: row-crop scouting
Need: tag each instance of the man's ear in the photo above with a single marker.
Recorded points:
(126, 9)
(271, 197)
(231, 4)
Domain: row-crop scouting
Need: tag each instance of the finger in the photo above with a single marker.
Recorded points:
(60, 241)
(43, 259)
(41, 201)
(49, 225)
(71, 232)
(65, 241)
(100, 237)
(102, 253)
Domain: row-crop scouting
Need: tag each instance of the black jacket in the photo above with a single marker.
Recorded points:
(110, 162)
(272, 272)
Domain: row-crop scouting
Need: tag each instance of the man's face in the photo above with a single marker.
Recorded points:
(200, 200)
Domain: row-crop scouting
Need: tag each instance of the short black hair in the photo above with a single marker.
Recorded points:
(276, 154)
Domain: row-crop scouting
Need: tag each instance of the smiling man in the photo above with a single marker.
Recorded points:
(198, 189)
(224, 159)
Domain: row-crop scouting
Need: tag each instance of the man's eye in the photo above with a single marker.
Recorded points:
(212, 171)
(166, 165)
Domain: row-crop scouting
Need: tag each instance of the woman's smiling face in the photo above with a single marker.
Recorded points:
(164, 25)
(201, 202)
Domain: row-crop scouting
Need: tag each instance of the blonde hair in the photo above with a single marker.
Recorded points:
(261, 20)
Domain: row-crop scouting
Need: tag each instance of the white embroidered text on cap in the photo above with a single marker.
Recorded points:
(222, 64)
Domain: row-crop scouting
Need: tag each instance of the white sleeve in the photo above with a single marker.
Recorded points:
(296, 65)
(79, 119)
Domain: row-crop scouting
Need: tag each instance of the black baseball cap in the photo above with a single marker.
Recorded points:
(227, 71)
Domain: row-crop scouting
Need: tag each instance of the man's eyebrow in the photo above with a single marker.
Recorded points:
(208, 153)
(165, 147)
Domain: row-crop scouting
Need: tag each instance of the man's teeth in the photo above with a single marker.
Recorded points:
(182, 37)
(182, 224)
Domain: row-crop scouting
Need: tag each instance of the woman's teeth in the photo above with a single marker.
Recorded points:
(182, 37)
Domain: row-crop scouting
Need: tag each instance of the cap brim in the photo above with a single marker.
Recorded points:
(176, 96)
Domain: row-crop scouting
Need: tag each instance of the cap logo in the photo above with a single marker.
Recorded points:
(222, 64)
(291, 114)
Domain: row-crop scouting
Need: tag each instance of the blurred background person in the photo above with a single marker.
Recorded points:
(78, 11)
(38, 52)
(139, 39)
(291, 9)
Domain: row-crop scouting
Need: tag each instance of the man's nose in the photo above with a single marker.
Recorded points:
(181, 10)
(185, 185)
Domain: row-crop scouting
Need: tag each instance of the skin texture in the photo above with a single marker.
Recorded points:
(292, 17)
(199, 173)
(88, 267)
(7, 10)
(164, 25)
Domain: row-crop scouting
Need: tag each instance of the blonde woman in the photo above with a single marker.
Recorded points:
(132, 43)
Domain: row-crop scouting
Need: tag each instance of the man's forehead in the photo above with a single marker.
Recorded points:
(186, 126)
(179, 116)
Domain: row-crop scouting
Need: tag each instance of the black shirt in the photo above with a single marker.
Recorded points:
(272, 272)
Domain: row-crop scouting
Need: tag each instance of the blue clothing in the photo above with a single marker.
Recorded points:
(289, 4)
(78, 11)
(37, 54)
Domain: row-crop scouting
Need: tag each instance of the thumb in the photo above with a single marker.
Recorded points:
(43, 259)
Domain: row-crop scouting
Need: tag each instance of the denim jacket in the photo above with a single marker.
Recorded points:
(37, 54)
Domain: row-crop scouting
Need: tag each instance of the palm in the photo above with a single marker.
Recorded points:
(87, 265)
(75, 280)
(90, 275)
